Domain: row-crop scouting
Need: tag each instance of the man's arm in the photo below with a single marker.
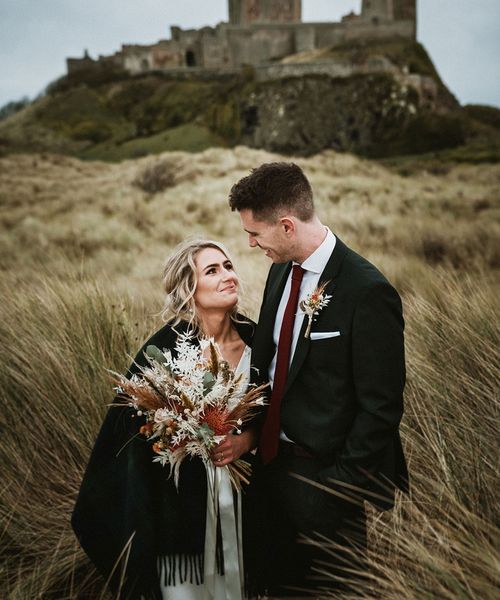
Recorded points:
(379, 376)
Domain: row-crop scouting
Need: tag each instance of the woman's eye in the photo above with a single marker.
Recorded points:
(211, 271)
(228, 266)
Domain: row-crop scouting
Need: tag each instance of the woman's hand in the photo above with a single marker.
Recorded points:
(233, 446)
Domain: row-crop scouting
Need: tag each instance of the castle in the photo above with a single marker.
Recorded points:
(259, 33)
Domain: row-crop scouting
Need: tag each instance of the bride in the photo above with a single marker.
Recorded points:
(145, 535)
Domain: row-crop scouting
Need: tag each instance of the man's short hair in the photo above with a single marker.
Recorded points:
(272, 190)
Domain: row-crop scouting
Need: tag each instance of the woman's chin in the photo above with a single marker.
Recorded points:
(232, 301)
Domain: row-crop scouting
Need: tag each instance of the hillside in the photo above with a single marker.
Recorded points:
(120, 220)
(394, 103)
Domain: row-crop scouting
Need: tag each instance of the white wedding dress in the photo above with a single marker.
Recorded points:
(230, 585)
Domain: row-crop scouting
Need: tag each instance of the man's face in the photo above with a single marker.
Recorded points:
(269, 237)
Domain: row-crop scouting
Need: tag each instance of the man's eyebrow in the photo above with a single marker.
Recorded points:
(251, 232)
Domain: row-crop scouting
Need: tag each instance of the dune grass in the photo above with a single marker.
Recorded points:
(81, 251)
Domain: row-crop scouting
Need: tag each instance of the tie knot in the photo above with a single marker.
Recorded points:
(297, 273)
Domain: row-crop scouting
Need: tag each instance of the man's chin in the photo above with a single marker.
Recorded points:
(277, 260)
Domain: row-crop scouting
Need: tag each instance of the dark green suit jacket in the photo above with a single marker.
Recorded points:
(343, 400)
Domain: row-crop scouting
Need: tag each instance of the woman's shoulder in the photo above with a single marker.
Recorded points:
(245, 328)
(165, 337)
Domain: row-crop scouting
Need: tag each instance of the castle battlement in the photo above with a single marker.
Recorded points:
(259, 33)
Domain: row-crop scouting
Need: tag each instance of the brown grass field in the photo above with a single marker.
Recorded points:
(81, 253)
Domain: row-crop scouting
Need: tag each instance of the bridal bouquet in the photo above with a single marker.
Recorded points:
(190, 403)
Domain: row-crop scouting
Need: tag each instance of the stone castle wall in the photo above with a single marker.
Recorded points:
(260, 32)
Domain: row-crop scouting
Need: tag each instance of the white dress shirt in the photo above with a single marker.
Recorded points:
(314, 265)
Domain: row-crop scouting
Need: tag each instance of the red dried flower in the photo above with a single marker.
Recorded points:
(216, 419)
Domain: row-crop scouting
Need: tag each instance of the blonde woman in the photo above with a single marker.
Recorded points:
(142, 533)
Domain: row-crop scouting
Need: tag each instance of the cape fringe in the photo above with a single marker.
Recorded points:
(180, 568)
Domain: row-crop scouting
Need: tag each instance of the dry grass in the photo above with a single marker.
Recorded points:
(81, 251)
(443, 541)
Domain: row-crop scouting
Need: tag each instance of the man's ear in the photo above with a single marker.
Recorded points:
(288, 225)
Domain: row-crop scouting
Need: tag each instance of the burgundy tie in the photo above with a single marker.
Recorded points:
(269, 438)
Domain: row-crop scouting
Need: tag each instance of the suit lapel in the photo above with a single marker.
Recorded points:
(329, 274)
(263, 347)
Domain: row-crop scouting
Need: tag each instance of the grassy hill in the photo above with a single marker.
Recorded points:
(106, 114)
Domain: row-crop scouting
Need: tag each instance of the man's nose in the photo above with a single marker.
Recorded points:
(251, 241)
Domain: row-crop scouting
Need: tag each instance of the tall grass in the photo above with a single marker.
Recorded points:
(443, 542)
(81, 251)
(57, 341)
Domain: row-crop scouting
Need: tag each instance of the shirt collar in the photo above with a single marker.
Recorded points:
(317, 261)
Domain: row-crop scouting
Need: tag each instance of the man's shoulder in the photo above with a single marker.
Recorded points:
(362, 273)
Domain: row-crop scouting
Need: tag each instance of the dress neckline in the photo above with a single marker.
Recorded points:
(241, 363)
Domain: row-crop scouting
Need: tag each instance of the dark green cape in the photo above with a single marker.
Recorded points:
(125, 496)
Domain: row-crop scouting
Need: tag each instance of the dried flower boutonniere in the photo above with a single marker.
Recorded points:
(313, 303)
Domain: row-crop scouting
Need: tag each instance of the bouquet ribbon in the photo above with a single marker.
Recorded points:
(220, 503)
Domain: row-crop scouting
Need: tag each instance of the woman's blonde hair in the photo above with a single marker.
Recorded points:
(180, 281)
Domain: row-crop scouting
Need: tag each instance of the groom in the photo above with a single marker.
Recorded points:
(337, 385)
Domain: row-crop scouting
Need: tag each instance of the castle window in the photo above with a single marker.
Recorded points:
(250, 119)
(144, 64)
(375, 20)
(190, 59)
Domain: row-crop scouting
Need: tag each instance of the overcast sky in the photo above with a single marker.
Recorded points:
(462, 36)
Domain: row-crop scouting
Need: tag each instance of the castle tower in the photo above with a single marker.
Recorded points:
(245, 12)
(390, 10)
(406, 10)
(376, 10)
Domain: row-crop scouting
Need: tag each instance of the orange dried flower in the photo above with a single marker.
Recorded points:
(146, 429)
(157, 448)
(216, 419)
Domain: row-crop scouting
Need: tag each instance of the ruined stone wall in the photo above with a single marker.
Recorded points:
(337, 69)
(329, 34)
(305, 38)
(79, 64)
(137, 59)
(261, 31)
(214, 52)
(167, 55)
(359, 29)
(255, 45)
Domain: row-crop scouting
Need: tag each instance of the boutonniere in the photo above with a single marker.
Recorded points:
(313, 303)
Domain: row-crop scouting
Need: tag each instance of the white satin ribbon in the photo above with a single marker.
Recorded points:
(220, 502)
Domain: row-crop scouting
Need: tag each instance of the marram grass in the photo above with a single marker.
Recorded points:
(81, 252)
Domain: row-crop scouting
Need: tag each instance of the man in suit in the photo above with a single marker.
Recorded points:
(337, 386)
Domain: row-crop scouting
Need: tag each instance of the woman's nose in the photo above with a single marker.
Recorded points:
(228, 274)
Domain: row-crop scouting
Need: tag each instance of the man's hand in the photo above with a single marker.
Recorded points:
(233, 446)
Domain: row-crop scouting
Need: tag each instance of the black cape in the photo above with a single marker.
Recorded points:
(129, 512)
